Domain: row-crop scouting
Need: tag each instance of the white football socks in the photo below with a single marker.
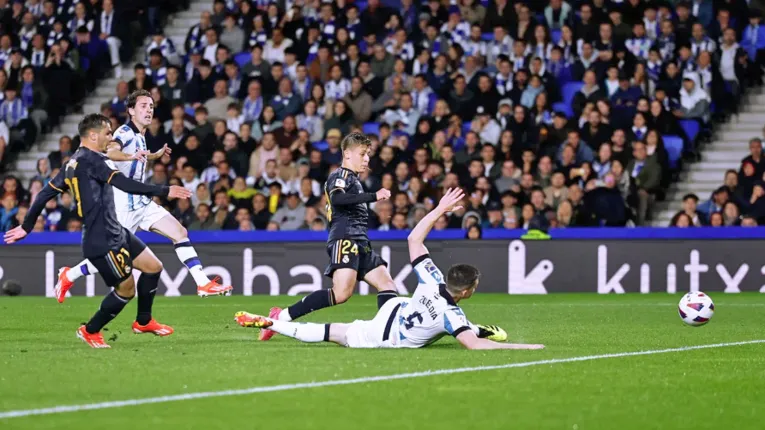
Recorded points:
(304, 332)
(188, 256)
(284, 315)
(84, 268)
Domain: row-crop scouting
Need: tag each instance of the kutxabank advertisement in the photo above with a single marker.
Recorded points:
(507, 266)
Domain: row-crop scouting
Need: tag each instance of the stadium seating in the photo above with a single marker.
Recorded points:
(521, 144)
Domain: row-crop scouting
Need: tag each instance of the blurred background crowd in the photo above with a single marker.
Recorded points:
(549, 113)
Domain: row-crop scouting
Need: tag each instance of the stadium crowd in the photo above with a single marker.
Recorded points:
(740, 201)
(551, 114)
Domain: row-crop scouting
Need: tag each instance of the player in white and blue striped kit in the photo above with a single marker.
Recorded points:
(431, 313)
(129, 153)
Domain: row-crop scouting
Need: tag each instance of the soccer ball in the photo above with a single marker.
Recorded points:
(696, 309)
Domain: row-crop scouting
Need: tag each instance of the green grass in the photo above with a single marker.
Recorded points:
(42, 364)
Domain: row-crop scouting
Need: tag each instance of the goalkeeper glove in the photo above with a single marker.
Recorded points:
(492, 332)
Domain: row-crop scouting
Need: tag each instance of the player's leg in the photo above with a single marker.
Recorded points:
(151, 269)
(342, 268)
(374, 270)
(343, 283)
(67, 276)
(115, 270)
(304, 332)
(160, 221)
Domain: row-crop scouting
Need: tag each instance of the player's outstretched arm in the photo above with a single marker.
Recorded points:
(114, 152)
(134, 187)
(157, 155)
(417, 237)
(48, 192)
(470, 341)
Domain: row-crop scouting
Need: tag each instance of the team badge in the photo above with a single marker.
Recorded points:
(345, 259)
(339, 182)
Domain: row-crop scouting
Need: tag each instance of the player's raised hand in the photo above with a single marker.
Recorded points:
(14, 235)
(450, 201)
(140, 155)
(164, 150)
(179, 192)
(383, 194)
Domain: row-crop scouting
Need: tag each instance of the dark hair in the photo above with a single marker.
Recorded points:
(133, 97)
(354, 139)
(92, 121)
(461, 277)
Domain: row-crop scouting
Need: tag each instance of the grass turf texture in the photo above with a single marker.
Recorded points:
(44, 365)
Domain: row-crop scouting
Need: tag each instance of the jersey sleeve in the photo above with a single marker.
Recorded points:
(101, 172)
(337, 182)
(123, 136)
(455, 321)
(58, 182)
(427, 271)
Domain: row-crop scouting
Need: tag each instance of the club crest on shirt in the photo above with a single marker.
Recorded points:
(339, 182)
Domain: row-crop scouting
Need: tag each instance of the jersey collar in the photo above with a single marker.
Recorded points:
(349, 170)
(445, 294)
(134, 127)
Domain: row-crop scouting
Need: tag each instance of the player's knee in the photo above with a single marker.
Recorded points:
(387, 285)
(154, 266)
(342, 294)
(126, 289)
(181, 234)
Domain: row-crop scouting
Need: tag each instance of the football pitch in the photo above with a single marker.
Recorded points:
(213, 374)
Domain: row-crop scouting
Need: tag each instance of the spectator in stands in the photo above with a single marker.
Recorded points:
(681, 220)
(715, 204)
(690, 203)
(219, 103)
(754, 158)
(694, 101)
(286, 102)
(15, 115)
(646, 178)
(200, 88)
(291, 215)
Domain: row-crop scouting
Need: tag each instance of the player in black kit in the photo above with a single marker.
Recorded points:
(113, 249)
(351, 257)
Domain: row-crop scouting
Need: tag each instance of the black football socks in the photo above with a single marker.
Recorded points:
(146, 289)
(384, 296)
(111, 306)
(313, 302)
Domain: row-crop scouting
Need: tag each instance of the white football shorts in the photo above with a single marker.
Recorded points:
(380, 332)
(142, 218)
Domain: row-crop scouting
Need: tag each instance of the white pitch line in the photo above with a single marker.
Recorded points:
(287, 387)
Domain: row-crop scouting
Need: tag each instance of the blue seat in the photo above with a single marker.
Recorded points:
(674, 147)
(691, 129)
(190, 111)
(487, 36)
(555, 36)
(371, 128)
(242, 58)
(432, 99)
(565, 108)
(321, 146)
(569, 90)
(465, 128)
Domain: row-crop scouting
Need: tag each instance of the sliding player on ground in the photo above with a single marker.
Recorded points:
(352, 258)
(129, 152)
(431, 313)
(109, 247)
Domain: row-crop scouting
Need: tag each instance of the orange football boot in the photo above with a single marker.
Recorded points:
(95, 340)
